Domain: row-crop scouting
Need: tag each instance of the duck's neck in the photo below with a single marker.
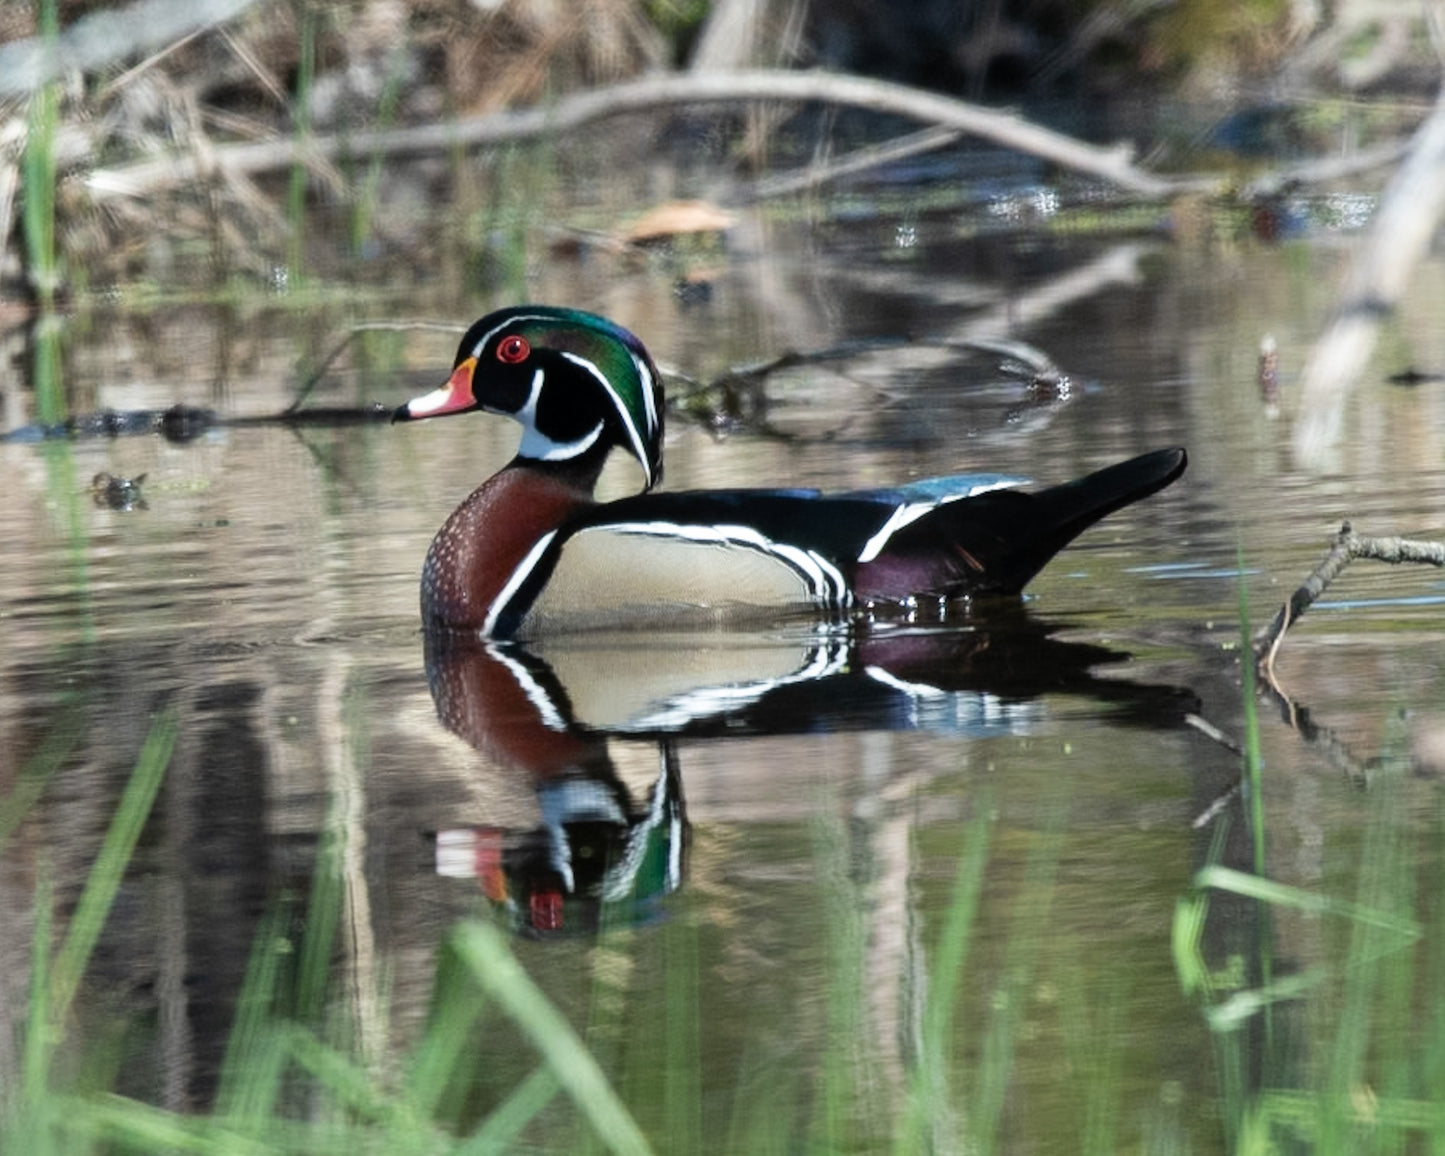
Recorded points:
(488, 535)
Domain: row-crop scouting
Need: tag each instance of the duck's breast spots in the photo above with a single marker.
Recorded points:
(487, 536)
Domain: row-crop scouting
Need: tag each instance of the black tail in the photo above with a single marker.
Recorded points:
(1000, 540)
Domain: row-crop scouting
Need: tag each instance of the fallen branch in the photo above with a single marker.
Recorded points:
(584, 108)
(1346, 548)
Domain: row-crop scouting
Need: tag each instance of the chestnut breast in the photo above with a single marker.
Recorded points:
(486, 538)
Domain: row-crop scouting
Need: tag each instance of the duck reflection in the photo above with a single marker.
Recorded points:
(547, 712)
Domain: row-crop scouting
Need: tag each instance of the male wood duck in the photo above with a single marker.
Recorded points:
(531, 552)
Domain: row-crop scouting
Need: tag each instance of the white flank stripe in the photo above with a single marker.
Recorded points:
(514, 583)
(825, 579)
(900, 517)
(710, 701)
(913, 689)
(535, 694)
(910, 512)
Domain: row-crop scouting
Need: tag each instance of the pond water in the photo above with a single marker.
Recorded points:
(771, 958)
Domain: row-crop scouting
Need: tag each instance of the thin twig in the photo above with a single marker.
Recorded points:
(1222, 800)
(1210, 731)
(1346, 547)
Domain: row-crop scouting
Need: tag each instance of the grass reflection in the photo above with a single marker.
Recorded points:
(1358, 1065)
(499, 1064)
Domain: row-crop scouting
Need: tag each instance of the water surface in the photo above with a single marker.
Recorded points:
(267, 595)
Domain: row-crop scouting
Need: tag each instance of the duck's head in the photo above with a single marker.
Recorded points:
(578, 384)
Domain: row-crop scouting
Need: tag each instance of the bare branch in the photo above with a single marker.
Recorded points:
(1346, 548)
(584, 108)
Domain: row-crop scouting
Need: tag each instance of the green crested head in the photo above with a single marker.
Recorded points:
(578, 383)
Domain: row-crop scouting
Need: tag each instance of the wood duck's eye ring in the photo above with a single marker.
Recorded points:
(513, 349)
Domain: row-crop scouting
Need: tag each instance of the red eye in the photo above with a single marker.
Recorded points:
(513, 349)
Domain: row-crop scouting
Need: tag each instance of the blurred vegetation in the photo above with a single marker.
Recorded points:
(295, 70)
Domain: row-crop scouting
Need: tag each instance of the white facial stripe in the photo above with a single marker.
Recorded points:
(635, 435)
(648, 400)
(825, 580)
(510, 321)
(528, 412)
(536, 444)
(514, 583)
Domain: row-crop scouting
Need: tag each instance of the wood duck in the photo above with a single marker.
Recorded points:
(531, 552)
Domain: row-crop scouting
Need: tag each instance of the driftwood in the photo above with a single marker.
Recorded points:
(1346, 548)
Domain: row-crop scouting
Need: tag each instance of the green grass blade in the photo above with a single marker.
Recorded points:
(444, 1052)
(39, 171)
(323, 917)
(31, 781)
(1307, 902)
(115, 1120)
(39, 1034)
(499, 1131)
(485, 952)
(954, 942)
(110, 864)
(256, 1053)
(1186, 937)
(352, 1087)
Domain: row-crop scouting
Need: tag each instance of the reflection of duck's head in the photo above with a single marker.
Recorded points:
(594, 859)
(530, 552)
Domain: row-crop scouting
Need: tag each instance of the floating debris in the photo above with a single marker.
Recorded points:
(115, 493)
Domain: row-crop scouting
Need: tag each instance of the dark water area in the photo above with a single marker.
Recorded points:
(774, 820)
